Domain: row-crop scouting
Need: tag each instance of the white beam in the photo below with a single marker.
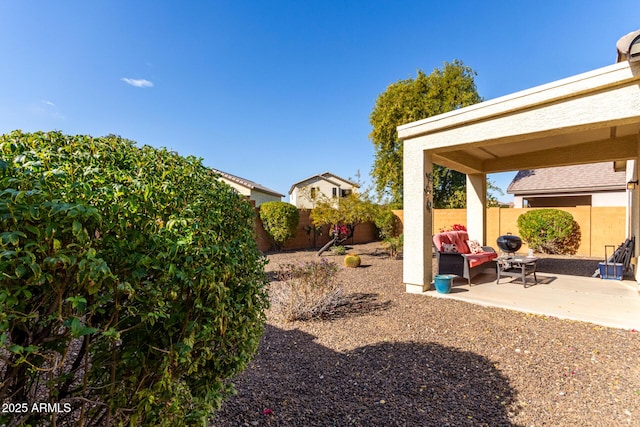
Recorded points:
(620, 148)
(459, 161)
(635, 213)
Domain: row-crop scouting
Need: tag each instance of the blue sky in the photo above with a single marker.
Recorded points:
(276, 91)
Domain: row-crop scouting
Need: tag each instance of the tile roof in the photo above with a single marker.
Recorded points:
(247, 183)
(568, 179)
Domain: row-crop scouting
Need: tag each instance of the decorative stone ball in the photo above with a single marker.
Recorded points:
(352, 261)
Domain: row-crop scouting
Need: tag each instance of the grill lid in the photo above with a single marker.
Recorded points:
(509, 243)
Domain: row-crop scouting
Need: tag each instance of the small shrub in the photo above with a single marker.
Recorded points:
(306, 291)
(394, 245)
(280, 221)
(338, 250)
(550, 231)
(352, 261)
(386, 221)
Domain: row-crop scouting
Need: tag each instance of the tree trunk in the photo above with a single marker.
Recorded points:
(328, 245)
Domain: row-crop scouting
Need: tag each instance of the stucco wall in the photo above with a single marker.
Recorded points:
(257, 196)
(239, 188)
(261, 198)
(612, 198)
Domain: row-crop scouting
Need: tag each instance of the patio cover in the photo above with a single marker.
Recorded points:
(588, 118)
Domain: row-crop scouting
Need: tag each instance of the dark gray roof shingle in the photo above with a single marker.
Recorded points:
(565, 179)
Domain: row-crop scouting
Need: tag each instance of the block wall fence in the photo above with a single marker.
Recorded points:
(599, 226)
(308, 237)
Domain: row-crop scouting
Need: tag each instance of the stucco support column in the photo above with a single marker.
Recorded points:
(629, 176)
(477, 207)
(418, 213)
(635, 215)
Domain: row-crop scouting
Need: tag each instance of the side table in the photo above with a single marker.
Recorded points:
(517, 266)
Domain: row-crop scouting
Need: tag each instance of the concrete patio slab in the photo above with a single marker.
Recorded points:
(610, 303)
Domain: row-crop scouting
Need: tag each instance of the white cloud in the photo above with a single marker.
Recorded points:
(45, 109)
(137, 82)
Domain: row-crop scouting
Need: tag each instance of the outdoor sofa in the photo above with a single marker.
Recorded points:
(458, 255)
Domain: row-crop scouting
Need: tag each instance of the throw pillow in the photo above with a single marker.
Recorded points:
(474, 246)
(449, 248)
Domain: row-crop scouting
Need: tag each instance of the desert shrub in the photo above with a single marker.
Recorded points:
(394, 245)
(338, 250)
(386, 221)
(550, 231)
(306, 291)
(131, 287)
(280, 221)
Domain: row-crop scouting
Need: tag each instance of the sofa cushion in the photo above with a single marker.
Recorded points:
(474, 246)
(449, 248)
(458, 238)
(480, 258)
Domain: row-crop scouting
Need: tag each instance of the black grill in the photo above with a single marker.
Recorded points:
(509, 243)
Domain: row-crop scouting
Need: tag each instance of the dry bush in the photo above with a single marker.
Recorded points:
(306, 291)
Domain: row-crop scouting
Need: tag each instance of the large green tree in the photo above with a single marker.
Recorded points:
(445, 89)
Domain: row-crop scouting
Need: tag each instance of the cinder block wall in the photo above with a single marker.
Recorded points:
(309, 237)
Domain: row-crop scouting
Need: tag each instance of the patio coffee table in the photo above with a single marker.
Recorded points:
(517, 266)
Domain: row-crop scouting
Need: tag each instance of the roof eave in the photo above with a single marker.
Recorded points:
(567, 191)
(551, 92)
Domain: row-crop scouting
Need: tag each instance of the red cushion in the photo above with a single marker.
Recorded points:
(480, 258)
(459, 238)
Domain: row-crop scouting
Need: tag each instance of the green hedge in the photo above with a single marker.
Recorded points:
(131, 287)
(551, 231)
(280, 220)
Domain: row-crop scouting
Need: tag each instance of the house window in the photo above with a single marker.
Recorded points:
(345, 193)
(335, 191)
(313, 192)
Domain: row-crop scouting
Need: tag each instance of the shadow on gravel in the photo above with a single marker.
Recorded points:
(273, 276)
(380, 253)
(294, 381)
(574, 267)
(358, 304)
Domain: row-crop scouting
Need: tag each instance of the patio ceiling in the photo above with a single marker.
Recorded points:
(592, 117)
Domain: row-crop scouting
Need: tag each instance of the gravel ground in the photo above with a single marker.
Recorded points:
(388, 358)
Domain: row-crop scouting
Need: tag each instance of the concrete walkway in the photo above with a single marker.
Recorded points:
(609, 303)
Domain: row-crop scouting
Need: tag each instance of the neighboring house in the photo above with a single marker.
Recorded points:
(595, 184)
(253, 191)
(304, 194)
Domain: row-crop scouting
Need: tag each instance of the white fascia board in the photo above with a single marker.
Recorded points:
(609, 76)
